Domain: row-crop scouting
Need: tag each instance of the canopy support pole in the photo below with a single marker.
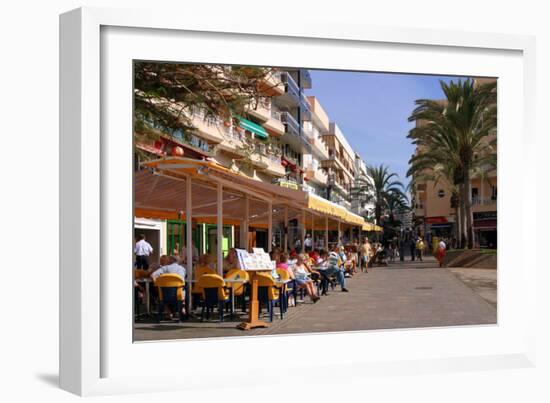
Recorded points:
(285, 235)
(269, 226)
(312, 232)
(219, 223)
(325, 246)
(339, 232)
(246, 221)
(303, 233)
(189, 233)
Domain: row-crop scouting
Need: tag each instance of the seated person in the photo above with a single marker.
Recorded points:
(330, 266)
(301, 271)
(314, 255)
(231, 261)
(348, 264)
(163, 261)
(282, 263)
(172, 267)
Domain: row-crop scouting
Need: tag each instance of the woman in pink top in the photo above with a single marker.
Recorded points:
(283, 264)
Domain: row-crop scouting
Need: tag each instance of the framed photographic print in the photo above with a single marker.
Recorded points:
(283, 188)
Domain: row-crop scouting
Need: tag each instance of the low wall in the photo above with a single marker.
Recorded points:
(474, 258)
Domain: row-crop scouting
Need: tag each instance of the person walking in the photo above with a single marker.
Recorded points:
(441, 250)
(401, 244)
(419, 248)
(365, 254)
(143, 250)
(412, 247)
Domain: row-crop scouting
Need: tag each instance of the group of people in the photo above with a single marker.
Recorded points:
(314, 267)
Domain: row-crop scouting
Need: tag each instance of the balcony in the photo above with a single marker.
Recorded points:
(210, 129)
(294, 96)
(316, 175)
(305, 77)
(339, 185)
(272, 85)
(261, 109)
(291, 125)
(319, 116)
(291, 88)
(286, 183)
(274, 124)
(274, 166)
(317, 144)
(481, 204)
(233, 143)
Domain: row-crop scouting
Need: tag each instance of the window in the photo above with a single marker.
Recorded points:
(475, 195)
(493, 192)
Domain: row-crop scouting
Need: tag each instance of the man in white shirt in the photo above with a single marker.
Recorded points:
(308, 243)
(143, 250)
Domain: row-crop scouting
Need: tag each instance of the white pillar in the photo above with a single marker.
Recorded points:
(326, 234)
(189, 233)
(303, 232)
(219, 223)
(339, 232)
(246, 221)
(269, 225)
(285, 237)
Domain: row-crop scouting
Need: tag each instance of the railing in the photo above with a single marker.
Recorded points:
(276, 115)
(286, 183)
(198, 143)
(483, 201)
(291, 125)
(305, 101)
(290, 86)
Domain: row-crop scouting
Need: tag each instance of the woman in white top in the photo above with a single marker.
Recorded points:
(301, 272)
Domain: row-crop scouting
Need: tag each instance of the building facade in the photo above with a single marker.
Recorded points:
(286, 138)
(435, 206)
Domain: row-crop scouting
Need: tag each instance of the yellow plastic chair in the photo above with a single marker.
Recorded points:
(238, 289)
(199, 272)
(289, 289)
(170, 288)
(268, 293)
(213, 293)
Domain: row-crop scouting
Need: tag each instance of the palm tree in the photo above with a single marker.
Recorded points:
(456, 135)
(380, 187)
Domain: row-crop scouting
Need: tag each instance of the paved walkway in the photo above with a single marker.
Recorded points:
(403, 295)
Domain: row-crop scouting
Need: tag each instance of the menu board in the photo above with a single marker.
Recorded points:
(258, 260)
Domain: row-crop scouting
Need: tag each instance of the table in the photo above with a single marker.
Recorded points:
(253, 307)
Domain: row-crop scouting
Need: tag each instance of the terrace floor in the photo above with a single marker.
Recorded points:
(403, 295)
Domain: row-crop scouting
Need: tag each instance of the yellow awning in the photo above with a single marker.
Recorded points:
(368, 226)
(324, 206)
(327, 207)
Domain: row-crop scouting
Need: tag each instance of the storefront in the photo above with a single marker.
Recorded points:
(485, 229)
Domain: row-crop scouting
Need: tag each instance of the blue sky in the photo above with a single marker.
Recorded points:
(372, 109)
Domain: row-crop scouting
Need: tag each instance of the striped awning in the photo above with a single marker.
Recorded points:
(252, 127)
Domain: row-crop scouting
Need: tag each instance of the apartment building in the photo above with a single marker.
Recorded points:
(340, 166)
(285, 138)
(361, 204)
(434, 204)
(316, 178)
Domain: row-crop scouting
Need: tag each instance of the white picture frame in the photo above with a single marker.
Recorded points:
(91, 358)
